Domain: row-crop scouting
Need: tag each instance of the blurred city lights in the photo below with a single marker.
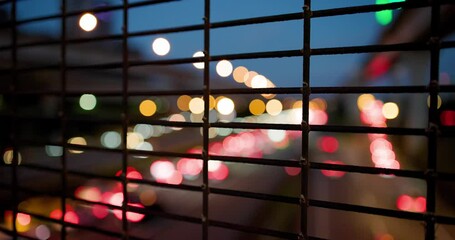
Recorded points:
(77, 141)
(88, 193)
(198, 65)
(318, 104)
(70, 216)
(364, 100)
(259, 81)
(390, 110)
(8, 156)
(131, 173)
(161, 46)
(410, 204)
(133, 140)
(87, 102)
(385, 237)
(53, 151)
(328, 144)
(196, 105)
(225, 106)
(88, 22)
(100, 211)
(176, 118)
(117, 200)
(269, 84)
(274, 107)
(183, 103)
(276, 135)
(147, 107)
(111, 139)
(292, 171)
(448, 118)
(145, 130)
(224, 68)
(333, 173)
(162, 170)
(23, 219)
(385, 17)
(249, 78)
(42, 232)
(239, 74)
(148, 197)
(317, 117)
(257, 107)
(439, 101)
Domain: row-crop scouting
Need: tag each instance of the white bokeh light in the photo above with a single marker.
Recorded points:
(225, 106)
(224, 68)
(88, 22)
(198, 65)
(161, 46)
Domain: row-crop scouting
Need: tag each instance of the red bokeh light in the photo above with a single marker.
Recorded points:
(100, 211)
(292, 171)
(408, 203)
(221, 173)
(379, 66)
(188, 166)
(117, 200)
(333, 173)
(448, 118)
(328, 144)
(70, 216)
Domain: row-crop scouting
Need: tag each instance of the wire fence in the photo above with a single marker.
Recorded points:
(65, 120)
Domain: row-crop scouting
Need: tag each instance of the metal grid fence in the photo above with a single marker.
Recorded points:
(432, 132)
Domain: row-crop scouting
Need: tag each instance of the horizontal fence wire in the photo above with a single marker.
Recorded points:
(430, 174)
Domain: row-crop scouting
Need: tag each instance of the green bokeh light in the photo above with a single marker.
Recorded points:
(87, 102)
(385, 17)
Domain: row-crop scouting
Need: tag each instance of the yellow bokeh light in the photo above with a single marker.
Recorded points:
(319, 104)
(257, 107)
(8, 157)
(212, 102)
(364, 100)
(196, 105)
(259, 81)
(183, 103)
(439, 101)
(274, 107)
(297, 104)
(224, 68)
(133, 140)
(270, 84)
(198, 65)
(147, 108)
(77, 141)
(88, 22)
(390, 110)
(225, 106)
(161, 46)
(239, 74)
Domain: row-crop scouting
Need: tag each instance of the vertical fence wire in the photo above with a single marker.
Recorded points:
(63, 118)
(433, 128)
(206, 123)
(12, 86)
(429, 218)
(125, 118)
(305, 126)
